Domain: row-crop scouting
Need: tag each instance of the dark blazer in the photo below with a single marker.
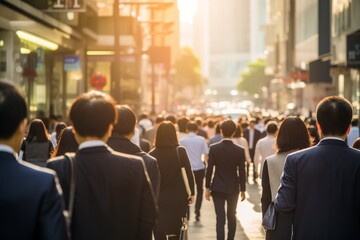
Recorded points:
(124, 145)
(321, 187)
(257, 136)
(229, 161)
(31, 206)
(113, 198)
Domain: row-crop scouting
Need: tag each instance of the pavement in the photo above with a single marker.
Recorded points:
(248, 215)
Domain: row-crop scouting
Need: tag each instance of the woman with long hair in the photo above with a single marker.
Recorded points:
(292, 136)
(56, 134)
(173, 198)
(37, 146)
(67, 143)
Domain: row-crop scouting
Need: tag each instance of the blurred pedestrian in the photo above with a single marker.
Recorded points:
(30, 198)
(292, 136)
(217, 137)
(197, 150)
(37, 146)
(151, 131)
(265, 146)
(67, 143)
(120, 141)
(356, 144)
(320, 185)
(314, 135)
(252, 136)
(113, 198)
(238, 139)
(229, 178)
(182, 127)
(354, 132)
(54, 137)
(173, 198)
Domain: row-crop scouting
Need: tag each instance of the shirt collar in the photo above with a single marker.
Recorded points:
(6, 148)
(91, 143)
(227, 139)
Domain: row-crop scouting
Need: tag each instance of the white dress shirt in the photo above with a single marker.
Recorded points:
(264, 148)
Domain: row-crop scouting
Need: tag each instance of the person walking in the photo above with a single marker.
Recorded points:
(252, 136)
(30, 198)
(173, 198)
(37, 146)
(292, 136)
(120, 141)
(320, 185)
(197, 150)
(67, 143)
(229, 178)
(113, 197)
(354, 132)
(265, 146)
(238, 139)
(54, 137)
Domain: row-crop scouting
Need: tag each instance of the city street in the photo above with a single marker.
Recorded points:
(248, 214)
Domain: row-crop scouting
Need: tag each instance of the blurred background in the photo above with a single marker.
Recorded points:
(189, 56)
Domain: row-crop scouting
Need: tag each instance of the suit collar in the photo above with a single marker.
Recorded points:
(126, 145)
(7, 156)
(332, 141)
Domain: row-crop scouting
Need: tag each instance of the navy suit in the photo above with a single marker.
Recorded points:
(321, 187)
(31, 206)
(113, 198)
(229, 178)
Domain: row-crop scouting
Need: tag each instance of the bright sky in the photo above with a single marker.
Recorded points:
(187, 9)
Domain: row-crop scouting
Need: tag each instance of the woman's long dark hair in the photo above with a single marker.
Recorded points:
(166, 135)
(67, 143)
(37, 132)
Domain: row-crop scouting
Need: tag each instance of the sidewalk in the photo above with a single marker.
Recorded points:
(248, 213)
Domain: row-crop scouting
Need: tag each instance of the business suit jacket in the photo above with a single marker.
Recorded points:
(257, 137)
(321, 187)
(229, 160)
(31, 206)
(113, 198)
(121, 144)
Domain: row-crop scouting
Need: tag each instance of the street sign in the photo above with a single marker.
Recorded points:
(72, 63)
(353, 51)
(98, 81)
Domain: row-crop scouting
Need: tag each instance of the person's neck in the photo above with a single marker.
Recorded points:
(86, 139)
(343, 137)
(11, 143)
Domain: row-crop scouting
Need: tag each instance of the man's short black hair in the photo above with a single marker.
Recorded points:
(334, 115)
(92, 113)
(228, 128)
(13, 109)
(192, 126)
(171, 118)
(126, 120)
(271, 127)
(182, 124)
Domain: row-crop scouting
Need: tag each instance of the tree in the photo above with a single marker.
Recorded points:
(253, 79)
(187, 70)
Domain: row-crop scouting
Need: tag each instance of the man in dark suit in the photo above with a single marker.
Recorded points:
(31, 205)
(120, 141)
(252, 135)
(113, 198)
(320, 185)
(229, 161)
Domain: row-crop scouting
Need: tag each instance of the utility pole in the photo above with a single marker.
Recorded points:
(116, 91)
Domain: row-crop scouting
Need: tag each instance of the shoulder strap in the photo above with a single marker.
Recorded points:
(183, 173)
(71, 157)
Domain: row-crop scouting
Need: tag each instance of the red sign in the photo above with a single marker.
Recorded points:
(98, 81)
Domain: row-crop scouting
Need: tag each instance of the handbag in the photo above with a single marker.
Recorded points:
(183, 173)
(69, 212)
(184, 233)
(269, 219)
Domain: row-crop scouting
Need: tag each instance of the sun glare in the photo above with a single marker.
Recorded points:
(187, 9)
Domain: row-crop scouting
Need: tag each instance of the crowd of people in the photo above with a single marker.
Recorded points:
(105, 174)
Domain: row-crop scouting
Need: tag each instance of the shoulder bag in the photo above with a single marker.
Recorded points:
(69, 212)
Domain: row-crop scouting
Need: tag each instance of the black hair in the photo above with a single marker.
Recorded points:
(67, 143)
(271, 127)
(171, 118)
(238, 132)
(59, 127)
(13, 109)
(166, 135)
(192, 126)
(182, 124)
(228, 128)
(126, 120)
(92, 113)
(37, 132)
(334, 115)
